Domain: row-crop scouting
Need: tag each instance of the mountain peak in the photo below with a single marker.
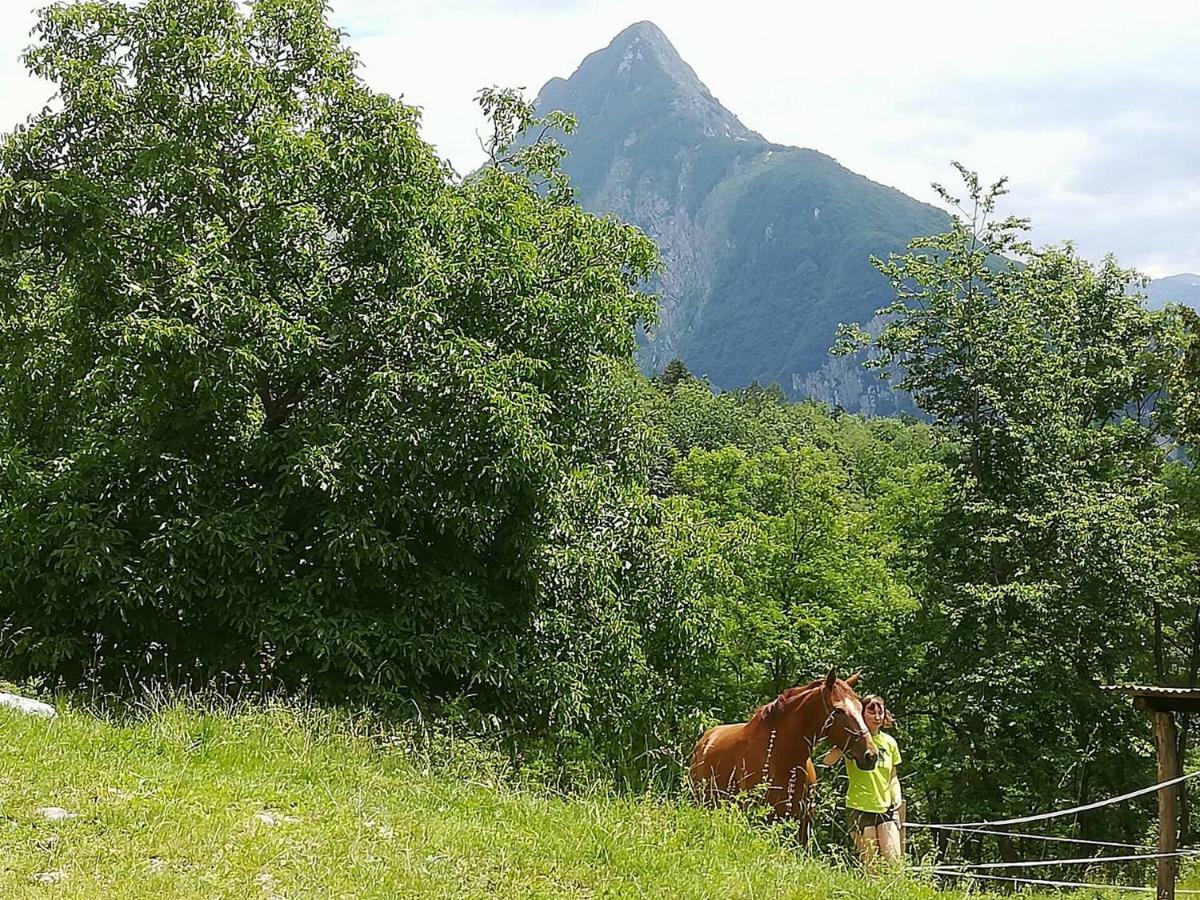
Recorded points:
(765, 248)
(644, 29)
(646, 37)
(641, 76)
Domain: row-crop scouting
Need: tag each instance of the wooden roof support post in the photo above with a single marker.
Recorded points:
(1166, 739)
(1162, 703)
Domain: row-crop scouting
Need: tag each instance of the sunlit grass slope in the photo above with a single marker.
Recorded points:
(185, 802)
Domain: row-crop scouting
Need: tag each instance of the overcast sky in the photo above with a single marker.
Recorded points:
(1092, 109)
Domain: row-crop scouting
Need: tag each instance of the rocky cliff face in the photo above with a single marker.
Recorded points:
(652, 144)
(765, 247)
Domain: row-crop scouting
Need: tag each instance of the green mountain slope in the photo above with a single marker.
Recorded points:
(765, 246)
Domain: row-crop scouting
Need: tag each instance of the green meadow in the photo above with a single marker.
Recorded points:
(279, 801)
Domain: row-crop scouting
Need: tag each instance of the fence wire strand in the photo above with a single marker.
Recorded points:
(1055, 814)
(1047, 882)
(965, 870)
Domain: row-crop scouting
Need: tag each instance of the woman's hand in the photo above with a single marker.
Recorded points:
(832, 757)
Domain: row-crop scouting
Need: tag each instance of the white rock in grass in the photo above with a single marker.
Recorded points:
(53, 877)
(27, 705)
(54, 813)
(270, 818)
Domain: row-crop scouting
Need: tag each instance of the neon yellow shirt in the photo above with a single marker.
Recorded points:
(872, 791)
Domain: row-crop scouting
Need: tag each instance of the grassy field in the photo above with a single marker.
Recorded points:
(280, 802)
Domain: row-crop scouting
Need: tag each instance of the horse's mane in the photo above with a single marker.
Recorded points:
(769, 712)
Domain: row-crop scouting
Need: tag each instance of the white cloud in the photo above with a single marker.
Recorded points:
(1089, 108)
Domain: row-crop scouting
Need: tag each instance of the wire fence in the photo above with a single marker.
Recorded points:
(996, 827)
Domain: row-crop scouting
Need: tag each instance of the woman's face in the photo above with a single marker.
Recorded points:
(873, 716)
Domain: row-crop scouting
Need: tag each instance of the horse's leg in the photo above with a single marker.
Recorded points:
(799, 797)
(785, 799)
(794, 804)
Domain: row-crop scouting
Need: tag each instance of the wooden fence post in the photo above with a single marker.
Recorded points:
(1166, 739)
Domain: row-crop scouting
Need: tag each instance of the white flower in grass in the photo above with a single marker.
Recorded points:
(266, 881)
(385, 831)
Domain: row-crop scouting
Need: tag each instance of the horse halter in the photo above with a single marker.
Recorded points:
(851, 733)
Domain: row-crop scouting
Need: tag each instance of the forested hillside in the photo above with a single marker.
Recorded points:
(288, 407)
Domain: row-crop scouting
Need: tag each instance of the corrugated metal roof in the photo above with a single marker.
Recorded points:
(1151, 690)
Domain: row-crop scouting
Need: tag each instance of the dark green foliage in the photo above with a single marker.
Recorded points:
(789, 531)
(1179, 410)
(674, 373)
(277, 392)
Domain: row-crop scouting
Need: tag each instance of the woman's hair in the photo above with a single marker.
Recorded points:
(875, 699)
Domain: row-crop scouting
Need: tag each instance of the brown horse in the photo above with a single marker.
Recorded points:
(775, 747)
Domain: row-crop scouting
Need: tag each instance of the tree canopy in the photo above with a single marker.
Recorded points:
(278, 390)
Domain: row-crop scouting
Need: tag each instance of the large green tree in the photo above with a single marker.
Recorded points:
(277, 390)
(1050, 570)
(788, 535)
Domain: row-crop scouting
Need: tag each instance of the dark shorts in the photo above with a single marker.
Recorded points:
(858, 820)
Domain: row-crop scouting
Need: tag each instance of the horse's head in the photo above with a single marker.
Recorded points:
(845, 727)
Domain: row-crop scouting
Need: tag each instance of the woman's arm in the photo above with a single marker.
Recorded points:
(832, 757)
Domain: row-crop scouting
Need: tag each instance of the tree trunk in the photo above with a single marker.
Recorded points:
(1159, 663)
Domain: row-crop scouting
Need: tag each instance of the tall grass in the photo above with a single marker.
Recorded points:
(184, 800)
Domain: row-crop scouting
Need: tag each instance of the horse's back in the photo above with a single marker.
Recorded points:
(721, 762)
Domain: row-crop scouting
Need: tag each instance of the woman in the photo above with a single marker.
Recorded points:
(873, 801)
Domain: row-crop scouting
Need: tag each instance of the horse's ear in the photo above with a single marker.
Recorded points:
(831, 679)
(854, 679)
